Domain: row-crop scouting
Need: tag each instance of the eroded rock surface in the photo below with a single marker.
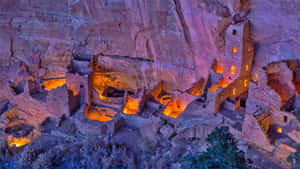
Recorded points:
(141, 82)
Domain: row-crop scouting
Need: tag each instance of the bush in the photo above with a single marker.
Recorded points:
(294, 158)
(297, 113)
(222, 153)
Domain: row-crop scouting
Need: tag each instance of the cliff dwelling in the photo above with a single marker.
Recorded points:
(156, 84)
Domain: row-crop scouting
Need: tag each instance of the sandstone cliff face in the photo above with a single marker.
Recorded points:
(179, 38)
(133, 44)
(139, 43)
(275, 29)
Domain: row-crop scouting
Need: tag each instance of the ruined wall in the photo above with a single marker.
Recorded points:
(252, 132)
(282, 118)
(147, 41)
(280, 78)
(262, 94)
(234, 51)
(234, 90)
(248, 52)
(237, 62)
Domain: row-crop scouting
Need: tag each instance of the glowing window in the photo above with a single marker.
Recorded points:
(234, 50)
(245, 83)
(247, 67)
(234, 91)
(279, 130)
(233, 69)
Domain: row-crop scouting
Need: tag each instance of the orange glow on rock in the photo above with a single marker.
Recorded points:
(219, 70)
(131, 106)
(246, 83)
(17, 142)
(279, 130)
(133, 102)
(174, 108)
(161, 94)
(100, 114)
(222, 83)
(101, 97)
(217, 67)
(196, 90)
(119, 80)
(54, 83)
(234, 50)
(177, 104)
(111, 96)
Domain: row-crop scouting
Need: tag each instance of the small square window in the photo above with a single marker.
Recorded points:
(234, 50)
(234, 31)
(233, 70)
(285, 119)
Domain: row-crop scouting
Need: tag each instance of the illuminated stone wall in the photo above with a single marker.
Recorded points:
(233, 51)
(237, 62)
(234, 90)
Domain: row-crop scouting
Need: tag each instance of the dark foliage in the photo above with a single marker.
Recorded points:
(221, 154)
(297, 113)
(294, 158)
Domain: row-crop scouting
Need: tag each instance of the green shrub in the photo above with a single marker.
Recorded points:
(297, 113)
(221, 154)
(294, 158)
